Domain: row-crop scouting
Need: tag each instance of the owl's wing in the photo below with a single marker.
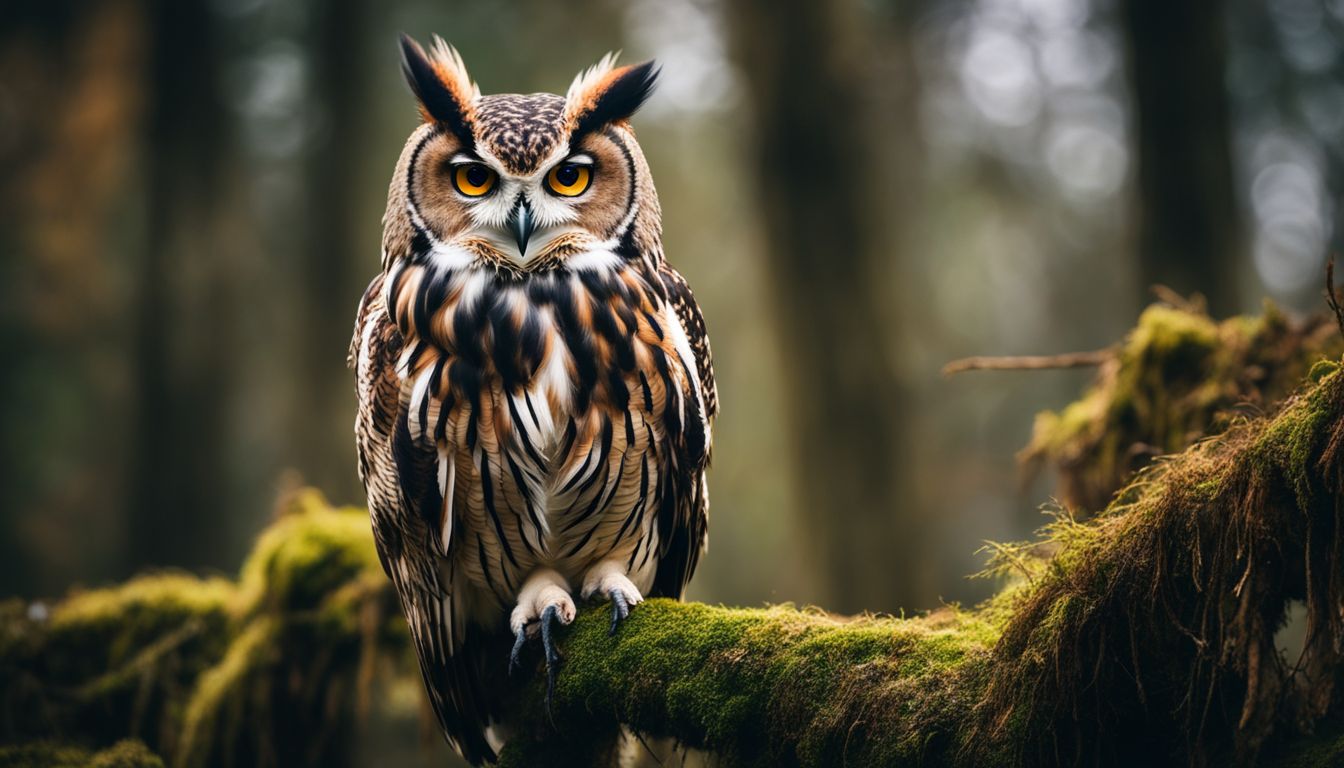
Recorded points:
(683, 516)
(400, 476)
(373, 354)
(693, 323)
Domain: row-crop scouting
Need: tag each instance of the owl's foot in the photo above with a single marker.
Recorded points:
(544, 600)
(547, 621)
(608, 578)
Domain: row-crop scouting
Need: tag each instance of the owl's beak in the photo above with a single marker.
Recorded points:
(521, 224)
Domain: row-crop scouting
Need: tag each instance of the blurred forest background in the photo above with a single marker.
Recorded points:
(859, 191)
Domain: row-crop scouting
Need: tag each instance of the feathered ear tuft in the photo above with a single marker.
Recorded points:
(439, 79)
(606, 94)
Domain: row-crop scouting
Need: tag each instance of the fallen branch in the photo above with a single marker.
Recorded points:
(1145, 636)
(767, 687)
(1148, 638)
(1029, 362)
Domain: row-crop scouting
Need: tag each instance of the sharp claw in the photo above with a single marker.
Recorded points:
(548, 617)
(518, 641)
(620, 608)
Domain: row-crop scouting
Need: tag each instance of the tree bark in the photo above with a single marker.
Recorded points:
(1189, 229)
(185, 346)
(828, 226)
(335, 263)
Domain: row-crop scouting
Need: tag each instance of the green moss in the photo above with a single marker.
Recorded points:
(1322, 368)
(310, 622)
(225, 684)
(171, 596)
(269, 669)
(776, 686)
(112, 628)
(1175, 338)
(123, 754)
(1325, 748)
(1293, 440)
(1179, 376)
(1056, 431)
(310, 551)
(1202, 545)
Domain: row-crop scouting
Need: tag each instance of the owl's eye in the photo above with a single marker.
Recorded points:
(473, 179)
(569, 179)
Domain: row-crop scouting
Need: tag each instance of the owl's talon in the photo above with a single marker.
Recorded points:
(620, 608)
(552, 655)
(543, 601)
(609, 578)
(519, 639)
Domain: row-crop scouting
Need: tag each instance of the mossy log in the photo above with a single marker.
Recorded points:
(268, 670)
(769, 687)
(1142, 636)
(123, 754)
(1178, 377)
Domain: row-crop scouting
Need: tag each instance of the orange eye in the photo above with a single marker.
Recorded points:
(473, 179)
(569, 179)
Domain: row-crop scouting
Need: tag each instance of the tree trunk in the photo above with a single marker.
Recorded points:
(827, 226)
(1189, 228)
(335, 264)
(73, 78)
(185, 357)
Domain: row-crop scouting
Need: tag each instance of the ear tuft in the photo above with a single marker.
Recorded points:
(606, 94)
(439, 79)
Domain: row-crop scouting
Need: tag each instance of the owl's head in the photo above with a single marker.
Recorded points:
(523, 182)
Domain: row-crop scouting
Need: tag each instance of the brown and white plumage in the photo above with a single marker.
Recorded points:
(535, 384)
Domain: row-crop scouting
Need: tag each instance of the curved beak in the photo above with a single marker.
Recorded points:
(521, 225)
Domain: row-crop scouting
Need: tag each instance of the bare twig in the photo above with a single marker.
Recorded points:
(1030, 362)
(1331, 296)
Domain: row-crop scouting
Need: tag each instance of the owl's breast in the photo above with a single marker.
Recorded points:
(550, 400)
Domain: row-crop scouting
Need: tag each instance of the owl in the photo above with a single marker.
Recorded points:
(535, 386)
